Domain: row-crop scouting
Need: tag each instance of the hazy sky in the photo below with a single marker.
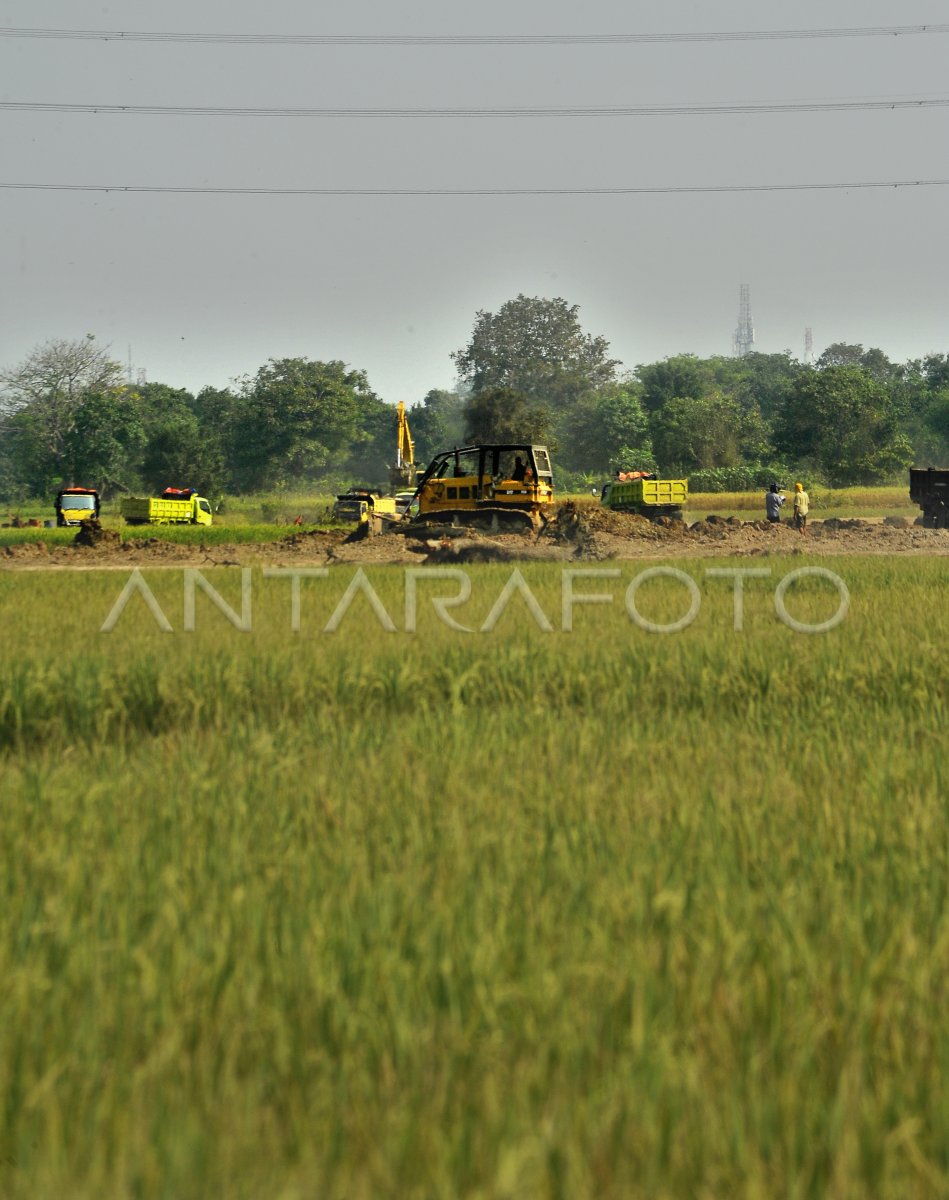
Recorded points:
(206, 288)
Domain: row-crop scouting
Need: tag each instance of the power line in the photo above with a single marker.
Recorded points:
(630, 110)
(702, 189)
(529, 39)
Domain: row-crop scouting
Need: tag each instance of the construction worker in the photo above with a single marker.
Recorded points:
(519, 470)
(772, 505)
(801, 505)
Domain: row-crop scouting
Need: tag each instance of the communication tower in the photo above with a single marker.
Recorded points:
(743, 341)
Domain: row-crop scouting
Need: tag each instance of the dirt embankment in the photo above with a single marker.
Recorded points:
(588, 534)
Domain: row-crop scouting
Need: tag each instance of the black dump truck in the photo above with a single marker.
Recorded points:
(929, 488)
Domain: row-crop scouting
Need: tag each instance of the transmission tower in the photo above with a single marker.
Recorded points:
(808, 346)
(743, 341)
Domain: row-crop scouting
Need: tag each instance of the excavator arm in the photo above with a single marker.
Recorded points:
(403, 474)
(405, 447)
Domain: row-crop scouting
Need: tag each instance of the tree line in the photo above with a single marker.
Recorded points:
(528, 373)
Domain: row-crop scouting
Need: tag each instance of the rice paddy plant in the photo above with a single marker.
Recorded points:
(518, 913)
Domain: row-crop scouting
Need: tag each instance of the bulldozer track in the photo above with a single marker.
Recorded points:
(490, 519)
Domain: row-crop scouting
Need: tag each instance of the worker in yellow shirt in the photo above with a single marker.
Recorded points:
(801, 505)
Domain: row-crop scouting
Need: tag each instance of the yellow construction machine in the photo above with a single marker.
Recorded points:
(404, 474)
(367, 510)
(500, 488)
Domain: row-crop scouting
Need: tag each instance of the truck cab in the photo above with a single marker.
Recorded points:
(75, 505)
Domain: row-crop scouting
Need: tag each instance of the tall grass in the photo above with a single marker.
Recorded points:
(363, 914)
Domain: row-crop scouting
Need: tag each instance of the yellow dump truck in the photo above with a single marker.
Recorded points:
(647, 496)
(364, 507)
(175, 506)
(75, 505)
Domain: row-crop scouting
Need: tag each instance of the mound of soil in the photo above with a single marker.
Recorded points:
(603, 520)
(835, 523)
(27, 550)
(467, 550)
(314, 540)
(94, 536)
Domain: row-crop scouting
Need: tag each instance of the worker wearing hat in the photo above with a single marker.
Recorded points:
(801, 505)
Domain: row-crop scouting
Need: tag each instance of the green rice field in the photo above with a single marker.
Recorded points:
(521, 912)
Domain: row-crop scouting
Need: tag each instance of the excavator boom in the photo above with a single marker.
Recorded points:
(403, 474)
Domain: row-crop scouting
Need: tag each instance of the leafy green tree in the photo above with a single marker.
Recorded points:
(302, 418)
(935, 371)
(43, 393)
(177, 450)
(157, 399)
(536, 348)
(14, 481)
(845, 424)
(681, 377)
(373, 449)
(701, 432)
(841, 354)
(924, 407)
(177, 455)
(11, 486)
(757, 381)
(222, 419)
(937, 416)
(847, 354)
(605, 431)
(438, 423)
(105, 441)
(764, 381)
(503, 415)
(33, 469)
(928, 430)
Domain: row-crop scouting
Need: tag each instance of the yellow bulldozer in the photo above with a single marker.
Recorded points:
(497, 488)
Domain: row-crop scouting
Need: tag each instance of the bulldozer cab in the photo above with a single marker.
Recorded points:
(518, 463)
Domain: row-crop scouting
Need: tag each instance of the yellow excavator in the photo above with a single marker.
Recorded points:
(403, 475)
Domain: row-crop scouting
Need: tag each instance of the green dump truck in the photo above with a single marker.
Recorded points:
(647, 496)
(175, 506)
